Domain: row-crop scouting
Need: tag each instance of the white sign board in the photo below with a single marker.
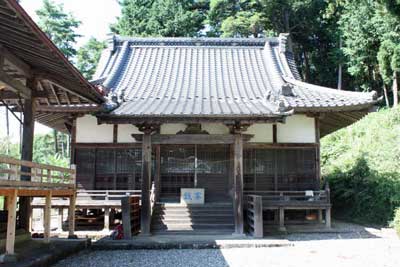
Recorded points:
(192, 195)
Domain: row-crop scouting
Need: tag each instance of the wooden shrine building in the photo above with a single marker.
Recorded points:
(222, 120)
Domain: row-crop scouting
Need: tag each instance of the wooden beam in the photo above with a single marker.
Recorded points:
(47, 217)
(16, 61)
(191, 139)
(12, 214)
(115, 133)
(55, 93)
(112, 119)
(11, 95)
(145, 218)
(14, 85)
(68, 108)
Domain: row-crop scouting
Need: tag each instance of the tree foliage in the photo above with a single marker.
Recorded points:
(361, 164)
(88, 56)
(160, 18)
(59, 26)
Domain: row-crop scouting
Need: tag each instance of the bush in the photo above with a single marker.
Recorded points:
(361, 162)
(396, 222)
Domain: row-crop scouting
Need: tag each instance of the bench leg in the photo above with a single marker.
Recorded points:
(320, 219)
(328, 218)
(106, 219)
(282, 220)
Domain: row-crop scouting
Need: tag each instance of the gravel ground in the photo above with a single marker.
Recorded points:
(372, 248)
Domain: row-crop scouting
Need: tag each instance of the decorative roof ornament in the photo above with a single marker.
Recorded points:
(287, 89)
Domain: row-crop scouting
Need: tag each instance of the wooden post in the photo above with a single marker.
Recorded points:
(126, 217)
(60, 218)
(282, 220)
(26, 153)
(47, 217)
(320, 219)
(12, 214)
(258, 217)
(106, 219)
(71, 216)
(157, 179)
(238, 184)
(145, 217)
(328, 218)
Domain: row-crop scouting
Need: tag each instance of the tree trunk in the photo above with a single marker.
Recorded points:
(339, 86)
(385, 93)
(55, 141)
(306, 67)
(395, 90)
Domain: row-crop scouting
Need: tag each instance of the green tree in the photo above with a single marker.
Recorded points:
(88, 56)
(171, 18)
(237, 18)
(59, 26)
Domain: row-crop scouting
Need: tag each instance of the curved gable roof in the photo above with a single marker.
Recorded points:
(213, 77)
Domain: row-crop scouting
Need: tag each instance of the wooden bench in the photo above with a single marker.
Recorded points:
(258, 201)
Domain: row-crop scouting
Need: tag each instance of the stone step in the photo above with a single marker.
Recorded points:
(192, 227)
(196, 232)
(193, 206)
(205, 213)
(191, 221)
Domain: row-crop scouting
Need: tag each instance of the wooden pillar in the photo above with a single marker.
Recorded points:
(60, 219)
(320, 219)
(157, 177)
(317, 155)
(328, 218)
(12, 214)
(26, 154)
(145, 215)
(282, 220)
(106, 219)
(258, 217)
(126, 217)
(47, 217)
(238, 184)
(71, 216)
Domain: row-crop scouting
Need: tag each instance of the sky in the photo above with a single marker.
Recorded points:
(95, 15)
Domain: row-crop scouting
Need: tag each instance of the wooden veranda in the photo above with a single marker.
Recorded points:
(45, 181)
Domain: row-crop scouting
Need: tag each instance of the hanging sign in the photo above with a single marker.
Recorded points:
(192, 195)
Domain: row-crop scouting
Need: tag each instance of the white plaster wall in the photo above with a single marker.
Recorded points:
(215, 128)
(88, 131)
(262, 133)
(125, 132)
(172, 128)
(297, 129)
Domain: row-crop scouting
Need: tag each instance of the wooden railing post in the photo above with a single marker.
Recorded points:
(126, 217)
(73, 174)
(14, 173)
(12, 214)
(258, 217)
(71, 216)
(47, 217)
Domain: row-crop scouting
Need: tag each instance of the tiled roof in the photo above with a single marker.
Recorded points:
(206, 77)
